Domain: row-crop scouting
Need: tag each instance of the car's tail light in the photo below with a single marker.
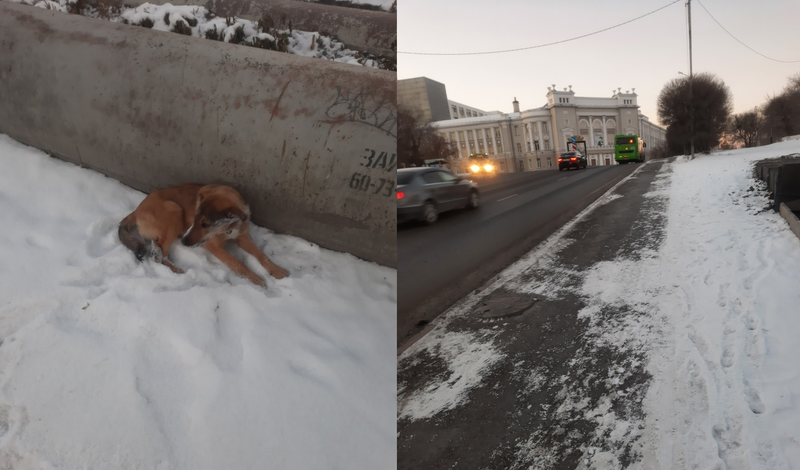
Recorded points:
(560, 159)
(573, 158)
(400, 195)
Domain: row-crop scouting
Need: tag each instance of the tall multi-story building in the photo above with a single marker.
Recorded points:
(425, 96)
(531, 139)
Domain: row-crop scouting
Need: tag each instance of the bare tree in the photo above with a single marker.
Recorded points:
(659, 150)
(418, 140)
(712, 108)
(782, 112)
(745, 128)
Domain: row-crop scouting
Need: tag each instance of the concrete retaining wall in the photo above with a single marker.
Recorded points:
(309, 143)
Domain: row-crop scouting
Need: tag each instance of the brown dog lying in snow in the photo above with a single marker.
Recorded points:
(209, 215)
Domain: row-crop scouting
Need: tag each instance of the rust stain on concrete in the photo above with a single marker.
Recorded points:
(278, 102)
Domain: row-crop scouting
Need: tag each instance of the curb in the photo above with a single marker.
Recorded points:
(794, 222)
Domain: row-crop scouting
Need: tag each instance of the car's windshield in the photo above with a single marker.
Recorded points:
(405, 177)
(624, 140)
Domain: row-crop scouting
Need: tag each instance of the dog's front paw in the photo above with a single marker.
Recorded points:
(277, 272)
(257, 280)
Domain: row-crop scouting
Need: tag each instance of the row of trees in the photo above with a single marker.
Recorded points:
(715, 125)
(778, 117)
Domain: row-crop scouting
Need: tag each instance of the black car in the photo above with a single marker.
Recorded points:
(424, 193)
(571, 160)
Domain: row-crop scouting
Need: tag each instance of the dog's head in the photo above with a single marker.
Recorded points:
(217, 214)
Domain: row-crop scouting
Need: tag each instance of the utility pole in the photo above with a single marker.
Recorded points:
(691, 81)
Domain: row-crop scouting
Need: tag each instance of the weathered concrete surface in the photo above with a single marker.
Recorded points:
(794, 223)
(363, 30)
(310, 144)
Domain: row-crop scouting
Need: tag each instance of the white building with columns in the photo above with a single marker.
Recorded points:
(531, 140)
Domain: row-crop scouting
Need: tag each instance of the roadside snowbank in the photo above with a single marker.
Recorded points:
(110, 363)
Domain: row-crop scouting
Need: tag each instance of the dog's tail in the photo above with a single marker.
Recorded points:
(129, 236)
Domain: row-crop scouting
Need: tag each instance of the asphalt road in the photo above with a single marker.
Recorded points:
(522, 413)
(440, 264)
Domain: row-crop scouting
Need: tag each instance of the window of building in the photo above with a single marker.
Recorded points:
(530, 164)
(549, 162)
(538, 162)
(519, 147)
(566, 121)
(536, 144)
(529, 146)
(516, 130)
(461, 111)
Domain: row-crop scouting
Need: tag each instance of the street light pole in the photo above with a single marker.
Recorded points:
(691, 81)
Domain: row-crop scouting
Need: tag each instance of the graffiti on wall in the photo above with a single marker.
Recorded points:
(366, 107)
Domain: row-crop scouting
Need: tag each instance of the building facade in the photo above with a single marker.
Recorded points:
(427, 97)
(531, 140)
(462, 111)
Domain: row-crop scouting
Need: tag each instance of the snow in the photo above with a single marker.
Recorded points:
(106, 362)
(468, 358)
(716, 322)
(304, 43)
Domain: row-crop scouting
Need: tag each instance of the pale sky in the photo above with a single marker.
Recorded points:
(645, 54)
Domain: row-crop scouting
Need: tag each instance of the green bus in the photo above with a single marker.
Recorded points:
(628, 148)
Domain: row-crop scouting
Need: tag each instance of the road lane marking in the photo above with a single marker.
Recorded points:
(509, 197)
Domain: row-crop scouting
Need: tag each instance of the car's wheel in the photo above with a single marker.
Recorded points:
(429, 213)
(474, 200)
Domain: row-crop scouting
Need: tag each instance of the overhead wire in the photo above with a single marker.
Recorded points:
(542, 45)
(742, 43)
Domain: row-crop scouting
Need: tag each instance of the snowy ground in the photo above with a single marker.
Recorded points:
(106, 362)
(199, 22)
(709, 314)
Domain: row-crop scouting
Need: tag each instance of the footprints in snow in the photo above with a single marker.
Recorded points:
(754, 400)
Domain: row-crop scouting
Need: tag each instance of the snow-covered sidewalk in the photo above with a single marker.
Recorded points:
(726, 335)
(106, 362)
